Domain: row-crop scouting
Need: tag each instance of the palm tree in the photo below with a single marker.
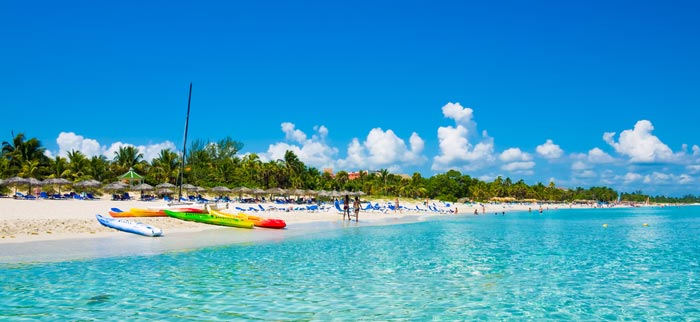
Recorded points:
(20, 150)
(127, 157)
(165, 167)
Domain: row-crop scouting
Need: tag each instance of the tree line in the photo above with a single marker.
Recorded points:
(218, 163)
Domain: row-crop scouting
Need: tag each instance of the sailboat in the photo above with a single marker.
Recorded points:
(184, 153)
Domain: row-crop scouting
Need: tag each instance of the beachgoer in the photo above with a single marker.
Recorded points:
(346, 207)
(476, 212)
(356, 205)
(396, 205)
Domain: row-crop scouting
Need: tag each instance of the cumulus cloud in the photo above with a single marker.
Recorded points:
(514, 154)
(549, 150)
(69, 141)
(597, 155)
(292, 134)
(518, 166)
(579, 165)
(384, 149)
(312, 151)
(632, 177)
(696, 150)
(639, 144)
(455, 148)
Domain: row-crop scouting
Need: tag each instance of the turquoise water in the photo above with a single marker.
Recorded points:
(561, 265)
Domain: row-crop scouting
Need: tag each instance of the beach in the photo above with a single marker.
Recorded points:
(41, 220)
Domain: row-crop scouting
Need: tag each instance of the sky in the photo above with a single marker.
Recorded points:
(580, 93)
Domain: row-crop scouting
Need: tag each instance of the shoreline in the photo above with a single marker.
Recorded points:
(56, 230)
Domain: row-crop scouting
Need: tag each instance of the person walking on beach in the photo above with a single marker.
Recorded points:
(346, 207)
(356, 205)
(397, 205)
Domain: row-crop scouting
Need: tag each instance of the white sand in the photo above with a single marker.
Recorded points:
(36, 220)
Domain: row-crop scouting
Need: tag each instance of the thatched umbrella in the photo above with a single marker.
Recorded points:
(15, 182)
(57, 181)
(220, 189)
(165, 185)
(114, 186)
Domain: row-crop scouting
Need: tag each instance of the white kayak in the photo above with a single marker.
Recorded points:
(129, 226)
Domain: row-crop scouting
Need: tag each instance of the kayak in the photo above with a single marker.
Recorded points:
(148, 212)
(257, 221)
(129, 226)
(209, 219)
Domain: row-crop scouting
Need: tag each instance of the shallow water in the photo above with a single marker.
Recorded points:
(561, 265)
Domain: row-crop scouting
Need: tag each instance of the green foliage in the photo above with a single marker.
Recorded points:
(211, 164)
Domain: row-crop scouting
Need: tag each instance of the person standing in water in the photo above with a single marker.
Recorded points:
(356, 205)
(346, 207)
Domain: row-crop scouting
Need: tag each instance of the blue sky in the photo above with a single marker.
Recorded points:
(522, 89)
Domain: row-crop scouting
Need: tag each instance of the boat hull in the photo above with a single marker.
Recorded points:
(210, 219)
(257, 221)
(129, 226)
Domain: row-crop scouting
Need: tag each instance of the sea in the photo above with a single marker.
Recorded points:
(613, 264)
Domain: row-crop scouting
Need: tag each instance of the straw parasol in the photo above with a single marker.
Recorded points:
(275, 191)
(87, 183)
(165, 185)
(57, 181)
(143, 186)
(114, 186)
(15, 182)
(221, 189)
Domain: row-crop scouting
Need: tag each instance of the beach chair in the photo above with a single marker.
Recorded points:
(22, 196)
(261, 207)
(43, 195)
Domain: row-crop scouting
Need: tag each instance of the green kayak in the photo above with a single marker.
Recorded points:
(209, 219)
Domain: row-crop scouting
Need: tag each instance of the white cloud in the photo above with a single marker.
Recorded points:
(639, 144)
(693, 168)
(579, 165)
(293, 134)
(314, 152)
(69, 141)
(514, 154)
(549, 150)
(586, 174)
(632, 177)
(597, 155)
(455, 148)
(696, 150)
(152, 151)
(518, 166)
(384, 149)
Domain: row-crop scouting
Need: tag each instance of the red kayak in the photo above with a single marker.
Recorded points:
(271, 223)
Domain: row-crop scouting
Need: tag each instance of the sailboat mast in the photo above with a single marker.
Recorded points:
(184, 144)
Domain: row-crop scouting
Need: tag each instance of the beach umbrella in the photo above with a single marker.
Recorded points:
(164, 191)
(220, 189)
(114, 186)
(33, 182)
(188, 186)
(87, 183)
(57, 181)
(167, 185)
(143, 186)
(15, 182)
(257, 191)
(275, 191)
